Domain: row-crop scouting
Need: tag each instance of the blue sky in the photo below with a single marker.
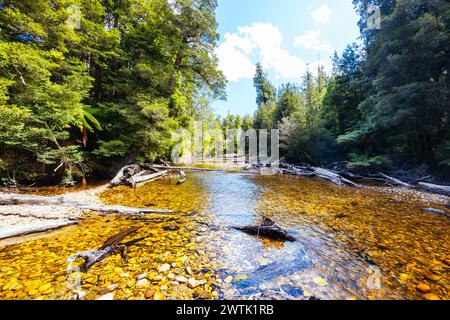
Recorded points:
(287, 36)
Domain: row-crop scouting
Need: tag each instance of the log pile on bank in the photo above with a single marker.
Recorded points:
(325, 174)
(136, 175)
(342, 177)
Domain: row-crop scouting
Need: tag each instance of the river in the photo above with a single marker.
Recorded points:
(369, 243)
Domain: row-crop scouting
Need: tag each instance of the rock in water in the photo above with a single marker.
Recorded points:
(273, 232)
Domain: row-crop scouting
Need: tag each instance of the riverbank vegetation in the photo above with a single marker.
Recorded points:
(87, 86)
(386, 103)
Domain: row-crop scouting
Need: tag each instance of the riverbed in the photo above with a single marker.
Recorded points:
(368, 243)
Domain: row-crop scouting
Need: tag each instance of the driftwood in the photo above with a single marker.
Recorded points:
(35, 227)
(268, 229)
(136, 175)
(17, 199)
(183, 178)
(310, 172)
(436, 211)
(334, 177)
(395, 181)
(139, 174)
(444, 190)
(172, 168)
(124, 174)
(110, 247)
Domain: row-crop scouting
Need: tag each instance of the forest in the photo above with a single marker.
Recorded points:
(86, 97)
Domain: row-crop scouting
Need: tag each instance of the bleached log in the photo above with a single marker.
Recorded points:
(185, 168)
(436, 211)
(124, 174)
(142, 179)
(122, 210)
(17, 199)
(35, 227)
(395, 181)
(444, 190)
(183, 178)
(333, 177)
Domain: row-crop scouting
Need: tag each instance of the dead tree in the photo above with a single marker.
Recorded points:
(110, 247)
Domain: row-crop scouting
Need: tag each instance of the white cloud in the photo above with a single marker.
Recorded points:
(233, 57)
(311, 40)
(321, 15)
(264, 39)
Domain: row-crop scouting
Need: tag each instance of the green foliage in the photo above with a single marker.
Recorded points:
(358, 161)
(406, 109)
(127, 75)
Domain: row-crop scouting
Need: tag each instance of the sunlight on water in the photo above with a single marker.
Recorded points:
(351, 244)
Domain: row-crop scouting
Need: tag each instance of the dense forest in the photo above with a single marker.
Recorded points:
(109, 88)
(84, 97)
(385, 106)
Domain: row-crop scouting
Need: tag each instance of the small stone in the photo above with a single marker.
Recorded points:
(164, 287)
(142, 276)
(424, 288)
(181, 279)
(108, 296)
(159, 296)
(149, 294)
(229, 279)
(108, 289)
(142, 283)
(164, 268)
(404, 276)
(192, 283)
(44, 287)
(431, 296)
(171, 276)
(189, 271)
(200, 294)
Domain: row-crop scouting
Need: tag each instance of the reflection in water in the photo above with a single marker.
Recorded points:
(351, 244)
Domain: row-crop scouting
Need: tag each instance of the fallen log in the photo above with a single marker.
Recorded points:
(395, 181)
(123, 210)
(185, 168)
(444, 190)
(110, 247)
(334, 177)
(35, 227)
(436, 211)
(183, 178)
(268, 229)
(124, 175)
(18, 199)
(144, 178)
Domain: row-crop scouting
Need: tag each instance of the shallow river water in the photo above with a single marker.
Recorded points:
(367, 243)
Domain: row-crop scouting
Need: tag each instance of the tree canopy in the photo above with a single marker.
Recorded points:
(88, 83)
